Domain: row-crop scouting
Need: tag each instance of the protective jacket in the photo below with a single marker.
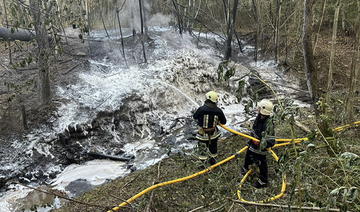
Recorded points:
(263, 128)
(208, 117)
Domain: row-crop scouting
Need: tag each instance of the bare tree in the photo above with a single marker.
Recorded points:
(355, 66)
(7, 26)
(142, 37)
(121, 34)
(320, 24)
(43, 50)
(141, 16)
(311, 74)
(257, 16)
(230, 27)
(103, 23)
(179, 18)
(333, 42)
(277, 28)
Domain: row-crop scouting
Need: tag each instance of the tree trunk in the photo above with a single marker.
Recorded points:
(142, 29)
(103, 22)
(42, 52)
(309, 66)
(18, 34)
(121, 35)
(23, 116)
(132, 18)
(195, 15)
(239, 42)
(230, 30)
(7, 26)
(178, 16)
(343, 18)
(141, 16)
(144, 11)
(354, 74)
(332, 52)
(87, 16)
(256, 10)
(320, 24)
(277, 29)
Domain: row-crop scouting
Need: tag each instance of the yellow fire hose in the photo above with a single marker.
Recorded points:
(281, 194)
(176, 181)
(289, 141)
(283, 188)
(344, 127)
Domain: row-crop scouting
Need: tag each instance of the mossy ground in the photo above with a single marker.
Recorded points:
(311, 174)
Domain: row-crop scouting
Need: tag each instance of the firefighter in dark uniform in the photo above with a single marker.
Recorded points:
(208, 117)
(263, 129)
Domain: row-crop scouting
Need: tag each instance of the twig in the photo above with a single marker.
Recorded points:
(286, 206)
(122, 200)
(103, 102)
(152, 192)
(301, 126)
(129, 182)
(333, 151)
(72, 68)
(65, 61)
(200, 207)
(130, 205)
(287, 86)
(232, 205)
(218, 208)
(62, 197)
(6, 68)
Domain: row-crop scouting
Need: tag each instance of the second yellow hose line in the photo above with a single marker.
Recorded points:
(283, 186)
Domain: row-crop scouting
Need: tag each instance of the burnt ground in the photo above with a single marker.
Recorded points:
(18, 85)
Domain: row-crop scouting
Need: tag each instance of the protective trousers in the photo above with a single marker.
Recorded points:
(260, 160)
(207, 148)
(211, 145)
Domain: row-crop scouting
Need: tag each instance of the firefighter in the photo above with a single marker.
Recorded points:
(208, 117)
(262, 129)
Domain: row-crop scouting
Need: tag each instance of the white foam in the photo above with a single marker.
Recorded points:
(95, 172)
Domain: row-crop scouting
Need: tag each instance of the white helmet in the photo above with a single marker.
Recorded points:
(265, 107)
(212, 96)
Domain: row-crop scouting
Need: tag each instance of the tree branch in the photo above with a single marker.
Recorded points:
(62, 197)
(286, 206)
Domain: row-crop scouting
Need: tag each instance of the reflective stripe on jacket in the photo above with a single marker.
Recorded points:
(263, 128)
(208, 117)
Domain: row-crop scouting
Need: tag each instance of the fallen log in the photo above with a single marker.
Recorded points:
(17, 34)
(98, 155)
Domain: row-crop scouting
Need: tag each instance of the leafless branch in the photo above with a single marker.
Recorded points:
(286, 206)
(63, 197)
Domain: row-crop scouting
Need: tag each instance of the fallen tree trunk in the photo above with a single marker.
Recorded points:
(98, 155)
(18, 34)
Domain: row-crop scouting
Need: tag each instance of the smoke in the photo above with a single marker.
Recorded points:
(130, 15)
(159, 19)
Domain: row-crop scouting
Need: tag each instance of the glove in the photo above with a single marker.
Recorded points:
(263, 144)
